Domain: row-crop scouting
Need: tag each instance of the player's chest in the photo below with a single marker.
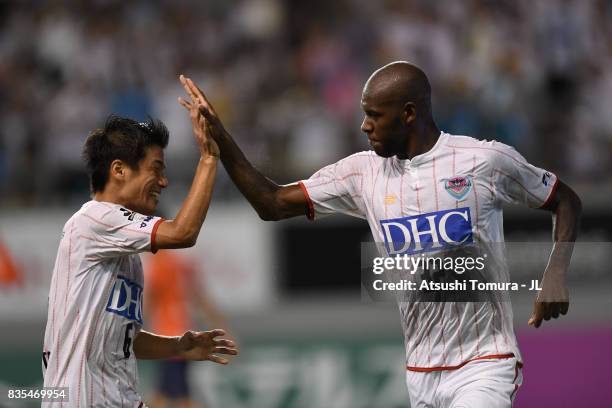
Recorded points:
(447, 183)
(431, 206)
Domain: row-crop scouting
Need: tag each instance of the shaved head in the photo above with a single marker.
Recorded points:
(398, 120)
(399, 82)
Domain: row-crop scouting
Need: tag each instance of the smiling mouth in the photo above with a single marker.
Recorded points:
(155, 194)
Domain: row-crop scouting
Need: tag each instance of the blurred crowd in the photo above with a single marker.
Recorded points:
(286, 78)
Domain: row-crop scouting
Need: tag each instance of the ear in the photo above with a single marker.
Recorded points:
(409, 113)
(117, 170)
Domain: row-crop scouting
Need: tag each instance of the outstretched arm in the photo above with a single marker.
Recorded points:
(553, 299)
(183, 230)
(192, 345)
(271, 201)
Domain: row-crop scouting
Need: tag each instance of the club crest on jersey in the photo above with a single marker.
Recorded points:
(126, 299)
(458, 187)
(428, 232)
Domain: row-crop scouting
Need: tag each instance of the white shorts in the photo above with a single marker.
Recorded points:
(491, 383)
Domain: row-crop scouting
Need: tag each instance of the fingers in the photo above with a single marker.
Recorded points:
(206, 113)
(196, 94)
(202, 122)
(564, 308)
(535, 320)
(193, 91)
(199, 101)
(555, 313)
(188, 86)
(559, 308)
(226, 350)
(224, 342)
(216, 332)
(201, 98)
(184, 103)
(198, 98)
(537, 315)
(197, 120)
(200, 92)
(193, 112)
(546, 311)
(218, 360)
(206, 124)
(209, 337)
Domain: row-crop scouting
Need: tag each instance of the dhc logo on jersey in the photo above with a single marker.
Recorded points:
(126, 299)
(428, 232)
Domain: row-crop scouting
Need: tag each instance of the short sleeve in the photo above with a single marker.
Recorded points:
(519, 182)
(334, 189)
(115, 231)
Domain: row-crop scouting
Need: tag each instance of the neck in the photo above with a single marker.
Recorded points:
(421, 141)
(109, 196)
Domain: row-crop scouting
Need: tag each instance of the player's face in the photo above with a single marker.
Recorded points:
(383, 126)
(143, 185)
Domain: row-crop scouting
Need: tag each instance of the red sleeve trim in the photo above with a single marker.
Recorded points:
(310, 214)
(444, 368)
(551, 195)
(153, 233)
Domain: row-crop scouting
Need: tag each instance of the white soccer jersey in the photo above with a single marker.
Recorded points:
(95, 306)
(452, 193)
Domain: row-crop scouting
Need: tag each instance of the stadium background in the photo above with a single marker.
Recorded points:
(286, 78)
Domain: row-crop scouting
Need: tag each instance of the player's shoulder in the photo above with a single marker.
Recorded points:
(356, 164)
(98, 209)
(362, 159)
(488, 150)
(100, 214)
(364, 155)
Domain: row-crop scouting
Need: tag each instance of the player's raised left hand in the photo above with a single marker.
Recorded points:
(214, 126)
(202, 128)
(205, 345)
(552, 301)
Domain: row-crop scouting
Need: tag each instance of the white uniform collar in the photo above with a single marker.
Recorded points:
(423, 157)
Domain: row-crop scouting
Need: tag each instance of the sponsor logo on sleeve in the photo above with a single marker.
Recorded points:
(428, 232)
(546, 178)
(458, 187)
(133, 215)
(128, 213)
(145, 221)
(126, 299)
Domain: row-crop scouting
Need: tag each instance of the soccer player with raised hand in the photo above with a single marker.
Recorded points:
(93, 334)
(423, 185)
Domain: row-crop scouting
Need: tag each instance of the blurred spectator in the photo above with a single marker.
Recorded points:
(287, 78)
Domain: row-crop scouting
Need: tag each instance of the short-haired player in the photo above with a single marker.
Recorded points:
(93, 334)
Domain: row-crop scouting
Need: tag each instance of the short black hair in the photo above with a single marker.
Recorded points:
(120, 139)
